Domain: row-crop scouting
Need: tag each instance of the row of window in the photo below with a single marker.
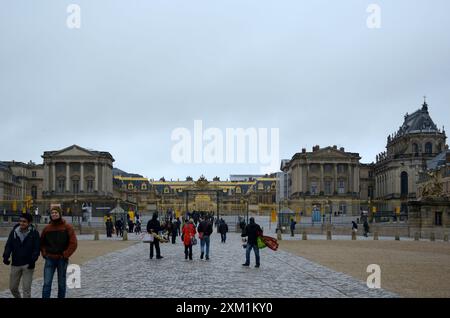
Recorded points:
(61, 186)
(428, 148)
(314, 187)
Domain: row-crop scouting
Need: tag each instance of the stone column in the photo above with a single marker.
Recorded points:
(335, 178)
(322, 186)
(46, 177)
(350, 177)
(67, 176)
(103, 179)
(300, 178)
(53, 176)
(96, 177)
(307, 177)
(81, 177)
(356, 179)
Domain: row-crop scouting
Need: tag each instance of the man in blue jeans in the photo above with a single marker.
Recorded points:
(252, 231)
(58, 243)
(205, 230)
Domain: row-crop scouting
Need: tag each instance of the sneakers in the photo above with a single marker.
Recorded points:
(207, 257)
(159, 257)
(245, 264)
(201, 256)
(257, 266)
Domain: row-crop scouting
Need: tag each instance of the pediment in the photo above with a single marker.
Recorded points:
(329, 153)
(73, 151)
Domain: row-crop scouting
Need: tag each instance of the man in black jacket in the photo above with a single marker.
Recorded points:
(223, 229)
(24, 245)
(252, 231)
(154, 227)
(205, 230)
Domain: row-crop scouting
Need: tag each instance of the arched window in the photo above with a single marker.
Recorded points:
(439, 149)
(130, 186)
(415, 148)
(238, 190)
(144, 186)
(404, 184)
(429, 148)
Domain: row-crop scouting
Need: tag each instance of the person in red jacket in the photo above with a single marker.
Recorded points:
(188, 233)
(58, 243)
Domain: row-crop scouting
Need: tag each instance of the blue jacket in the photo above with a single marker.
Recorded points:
(23, 253)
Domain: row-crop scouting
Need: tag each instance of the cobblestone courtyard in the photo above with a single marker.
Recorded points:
(130, 273)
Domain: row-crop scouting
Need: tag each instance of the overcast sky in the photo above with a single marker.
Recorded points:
(138, 69)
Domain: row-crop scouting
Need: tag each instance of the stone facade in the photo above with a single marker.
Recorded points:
(20, 185)
(228, 197)
(328, 179)
(408, 150)
(77, 178)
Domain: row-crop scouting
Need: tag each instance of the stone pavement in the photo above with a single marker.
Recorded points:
(130, 273)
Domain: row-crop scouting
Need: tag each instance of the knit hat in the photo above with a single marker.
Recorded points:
(27, 216)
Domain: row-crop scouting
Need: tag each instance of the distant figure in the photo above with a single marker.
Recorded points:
(366, 228)
(137, 227)
(188, 233)
(154, 227)
(354, 227)
(119, 227)
(109, 225)
(174, 230)
(223, 229)
(130, 226)
(242, 225)
(293, 223)
(205, 230)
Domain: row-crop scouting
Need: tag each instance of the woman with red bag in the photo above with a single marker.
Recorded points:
(188, 233)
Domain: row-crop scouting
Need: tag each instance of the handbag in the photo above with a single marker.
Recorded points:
(260, 242)
(148, 238)
(193, 240)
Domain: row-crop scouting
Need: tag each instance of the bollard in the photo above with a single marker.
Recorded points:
(329, 235)
(432, 237)
(125, 235)
(304, 236)
(445, 237)
(279, 237)
(96, 236)
(375, 236)
(416, 236)
(397, 237)
(353, 235)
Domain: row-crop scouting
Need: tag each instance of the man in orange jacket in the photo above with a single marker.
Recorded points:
(58, 243)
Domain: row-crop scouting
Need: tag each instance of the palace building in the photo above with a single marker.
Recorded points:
(328, 180)
(332, 180)
(257, 195)
(397, 169)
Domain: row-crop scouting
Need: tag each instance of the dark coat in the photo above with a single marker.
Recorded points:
(205, 227)
(23, 253)
(223, 228)
(293, 223)
(154, 225)
(252, 231)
